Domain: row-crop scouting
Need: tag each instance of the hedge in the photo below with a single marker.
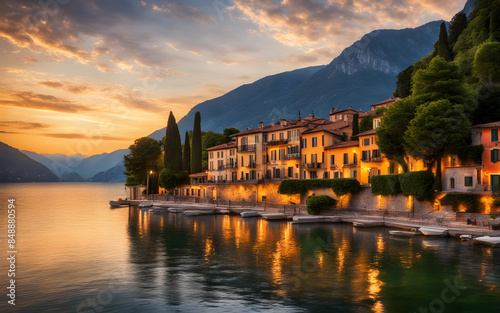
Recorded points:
(341, 186)
(317, 203)
(418, 184)
(471, 202)
(385, 185)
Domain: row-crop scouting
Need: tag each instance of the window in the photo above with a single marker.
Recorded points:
(346, 158)
(222, 154)
(494, 134)
(211, 155)
(273, 155)
(355, 158)
(332, 160)
(305, 158)
(452, 183)
(218, 154)
(314, 158)
(375, 154)
(313, 175)
(256, 138)
(281, 136)
(314, 142)
(365, 155)
(354, 174)
(211, 165)
(366, 142)
(322, 140)
(273, 137)
(494, 155)
(336, 175)
(372, 140)
(282, 154)
(304, 143)
(468, 181)
(290, 172)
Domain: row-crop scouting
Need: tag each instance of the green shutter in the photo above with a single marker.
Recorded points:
(494, 134)
(494, 155)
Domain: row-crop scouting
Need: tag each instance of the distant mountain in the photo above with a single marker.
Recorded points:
(72, 177)
(232, 109)
(18, 167)
(363, 74)
(469, 7)
(74, 166)
(114, 174)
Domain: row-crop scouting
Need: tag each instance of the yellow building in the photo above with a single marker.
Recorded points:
(222, 163)
(342, 160)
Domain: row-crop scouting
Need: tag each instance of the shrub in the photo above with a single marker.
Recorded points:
(344, 186)
(317, 203)
(471, 202)
(168, 179)
(385, 185)
(496, 199)
(418, 184)
(300, 186)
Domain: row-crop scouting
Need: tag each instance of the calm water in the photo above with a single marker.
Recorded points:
(75, 254)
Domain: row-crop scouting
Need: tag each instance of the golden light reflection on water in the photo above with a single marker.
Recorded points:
(209, 247)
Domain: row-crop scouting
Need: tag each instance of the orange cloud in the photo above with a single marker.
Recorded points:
(31, 100)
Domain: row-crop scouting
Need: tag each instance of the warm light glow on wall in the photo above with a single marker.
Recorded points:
(488, 202)
(381, 202)
(409, 202)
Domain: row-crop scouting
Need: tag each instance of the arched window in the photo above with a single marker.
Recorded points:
(452, 183)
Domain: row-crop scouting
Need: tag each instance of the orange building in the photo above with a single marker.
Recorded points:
(342, 160)
(222, 163)
(488, 136)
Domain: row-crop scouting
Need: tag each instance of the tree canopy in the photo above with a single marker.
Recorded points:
(186, 154)
(143, 158)
(173, 152)
(196, 147)
(366, 124)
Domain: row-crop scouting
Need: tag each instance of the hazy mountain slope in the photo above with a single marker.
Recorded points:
(233, 108)
(98, 163)
(114, 174)
(18, 167)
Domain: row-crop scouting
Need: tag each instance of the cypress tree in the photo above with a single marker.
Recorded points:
(173, 149)
(355, 125)
(196, 166)
(441, 46)
(403, 86)
(457, 26)
(186, 162)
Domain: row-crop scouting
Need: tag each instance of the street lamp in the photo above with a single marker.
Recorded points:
(147, 183)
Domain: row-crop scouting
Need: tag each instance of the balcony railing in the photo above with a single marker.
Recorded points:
(314, 165)
(291, 156)
(377, 159)
(232, 165)
(246, 148)
(333, 167)
(351, 164)
(277, 142)
(366, 159)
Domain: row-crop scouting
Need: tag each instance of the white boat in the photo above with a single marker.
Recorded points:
(207, 212)
(224, 211)
(146, 204)
(466, 237)
(250, 214)
(433, 231)
(367, 224)
(173, 210)
(487, 240)
(402, 233)
(305, 219)
(275, 216)
(192, 212)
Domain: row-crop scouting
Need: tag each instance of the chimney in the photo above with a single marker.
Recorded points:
(300, 118)
(261, 124)
(312, 115)
(273, 121)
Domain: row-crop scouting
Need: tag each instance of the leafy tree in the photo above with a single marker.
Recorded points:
(457, 25)
(316, 204)
(487, 62)
(186, 154)
(441, 80)
(441, 46)
(210, 139)
(228, 132)
(168, 179)
(344, 186)
(439, 127)
(143, 158)
(391, 131)
(366, 124)
(173, 152)
(487, 69)
(196, 147)
(355, 125)
(403, 85)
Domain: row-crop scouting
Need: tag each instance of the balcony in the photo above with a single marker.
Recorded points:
(313, 165)
(292, 156)
(277, 142)
(246, 148)
(252, 165)
(377, 159)
(232, 165)
(333, 167)
(355, 164)
(366, 159)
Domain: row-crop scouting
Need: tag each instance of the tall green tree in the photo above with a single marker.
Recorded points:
(393, 125)
(457, 25)
(366, 124)
(442, 47)
(403, 85)
(143, 158)
(173, 152)
(487, 69)
(355, 125)
(186, 154)
(439, 127)
(196, 149)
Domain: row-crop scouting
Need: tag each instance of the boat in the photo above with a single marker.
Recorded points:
(433, 231)
(250, 214)
(275, 216)
(119, 202)
(207, 212)
(305, 219)
(146, 204)
(487, 240)
(224, 211)
(192, 212)
(367, 224)
(402, 233)
(466, 237)
(173, 210)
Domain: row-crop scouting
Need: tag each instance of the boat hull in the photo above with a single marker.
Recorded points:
(428, 231)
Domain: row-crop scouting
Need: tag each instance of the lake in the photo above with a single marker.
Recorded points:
(76, 254)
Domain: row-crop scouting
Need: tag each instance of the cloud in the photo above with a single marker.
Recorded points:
(67, 86)
(82, 136)
(23, 125)
(31, 100)
(29, 60)
(10, 133)
(175, 9)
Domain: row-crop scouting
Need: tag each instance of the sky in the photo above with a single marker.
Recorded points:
(88, 77)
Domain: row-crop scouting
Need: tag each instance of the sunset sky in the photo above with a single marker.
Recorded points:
(91, 76)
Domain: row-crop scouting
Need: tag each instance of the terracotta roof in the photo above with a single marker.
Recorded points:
(366, 133)
(305, 122)
(343, 145)
(201, 174)
(332, 112)
(331, 127)
(387, 101)
(487, 125)
(228, 145)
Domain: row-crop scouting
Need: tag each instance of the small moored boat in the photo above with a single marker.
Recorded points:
(249, 214)
(275, 216)
(192, 212)
(146, 204)
(118, 202)
(173, 210)
(433, 231)
(487, 240)
(367, 224)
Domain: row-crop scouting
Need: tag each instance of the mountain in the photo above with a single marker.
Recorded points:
(469, 7)
(256, 97)
(70, 167)
(18, 167)
(114, 174)
(363, 74)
